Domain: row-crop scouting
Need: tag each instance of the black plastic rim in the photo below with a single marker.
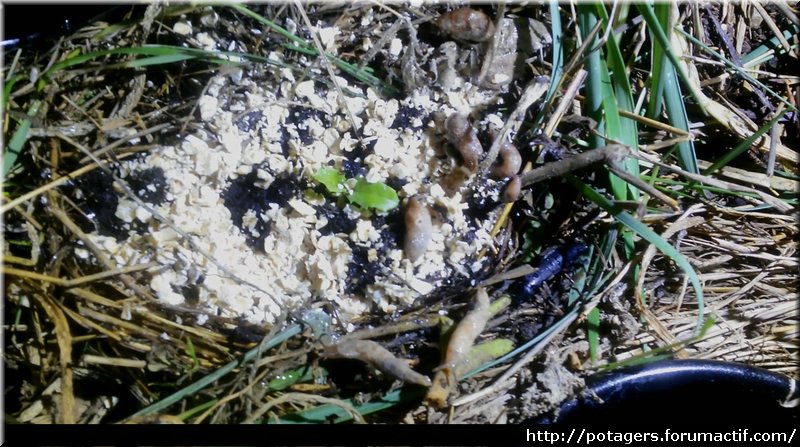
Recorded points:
(684, 391)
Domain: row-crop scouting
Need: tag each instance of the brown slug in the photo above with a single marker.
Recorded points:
(512, 189)
(467, 24)
(461, 135)
(418, 229)
(376, 355)
(510, 161)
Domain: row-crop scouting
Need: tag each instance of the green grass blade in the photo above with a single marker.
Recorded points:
(661, 352)
(153, 55)
(593, 334)
(289, 378)
(658, 60)
(189, 390)
(273, 26)
(601, 98)
(672, 97)
(8, 87)
(157, 60)
(14, 148)
(742, 72)
(200, 408)
(324, 413)
(628, 131)
(772, 44)
(676, 112)
(557, 34)
(307, 48)
(745, 145)
(650, 236)
(657, 31)
(146, 50)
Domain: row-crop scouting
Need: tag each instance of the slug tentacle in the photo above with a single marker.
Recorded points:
(456, 126)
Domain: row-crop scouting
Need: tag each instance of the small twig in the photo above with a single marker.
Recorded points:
(111, 334)
(516, 272)
(773, 201)
(329, 68)
(113, 361)
(735, 57)
(494, 45)
(655, 124)
(787, 12)
(566, 101)
(773, 143)
(407, 325)
(533, 91)
(118, 323)
(612, 155)
(44, 188)
(662, 144)
(612, 152)
(64, 338)
(303, 397)
(642, 185)
(180, 328)
(78, 281)
(125, 139)
(11, 259)
(772, 26)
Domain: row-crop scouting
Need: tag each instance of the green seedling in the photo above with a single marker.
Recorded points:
(377, 196)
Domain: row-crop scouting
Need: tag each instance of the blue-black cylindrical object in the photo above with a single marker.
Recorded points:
(549, 264)
(683, 391)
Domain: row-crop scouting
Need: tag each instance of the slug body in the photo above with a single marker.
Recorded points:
(456, 126)
(512, 190)
(418, 229)
(467, 330)
(376, 355)
(510, 161)
(467, 24)
(461, 341)
(550, 263)
(463, 137)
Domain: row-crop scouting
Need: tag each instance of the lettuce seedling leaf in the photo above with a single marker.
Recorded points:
(374, 195)
(331, 178)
